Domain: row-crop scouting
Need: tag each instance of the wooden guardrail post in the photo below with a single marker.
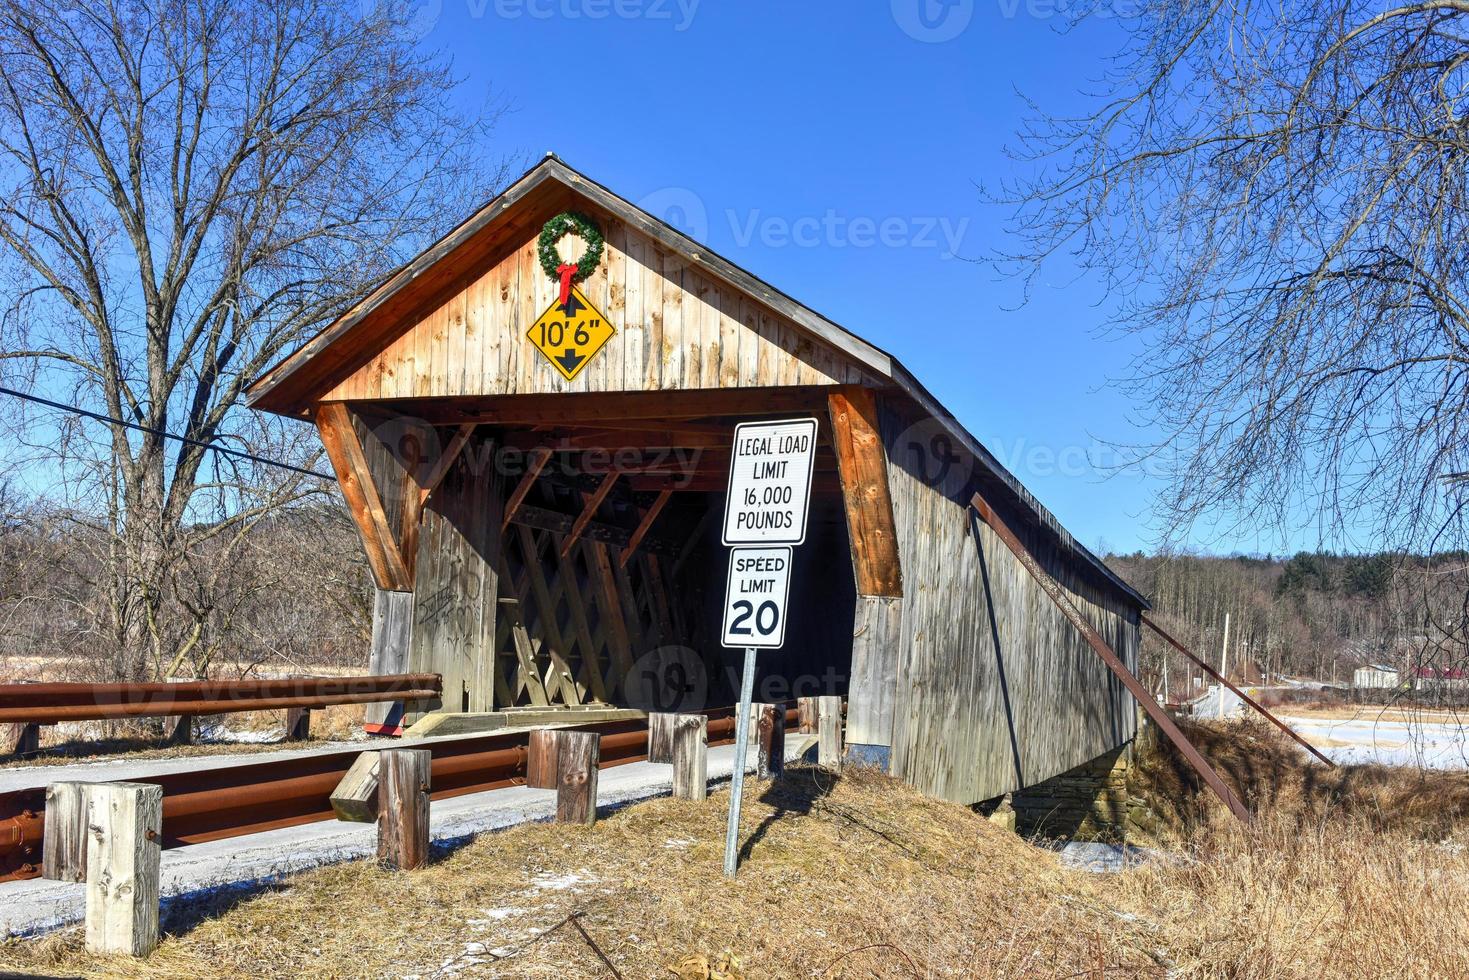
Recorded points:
(298, 724)
(806, 716)
(542, 761)
(682, 740)
(124, 824)
(64, 833)
(578, 754)
(20, 738)
(829, 728)
(178, 729)
(691, 757)
(402, 824)
(770, 734)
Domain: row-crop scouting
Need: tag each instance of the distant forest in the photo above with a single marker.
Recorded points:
(1314, 615)
(296, 593)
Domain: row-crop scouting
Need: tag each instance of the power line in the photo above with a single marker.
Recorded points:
(225, 450)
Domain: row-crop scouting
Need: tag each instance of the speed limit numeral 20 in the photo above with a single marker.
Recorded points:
(766, 618)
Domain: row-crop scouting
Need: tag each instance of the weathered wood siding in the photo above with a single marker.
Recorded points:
(676, 328)
(995, 690)
(457, 589)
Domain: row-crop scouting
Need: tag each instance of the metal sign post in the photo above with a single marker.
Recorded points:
(764, 515)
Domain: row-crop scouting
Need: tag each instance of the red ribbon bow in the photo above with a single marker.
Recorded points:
(567, 271)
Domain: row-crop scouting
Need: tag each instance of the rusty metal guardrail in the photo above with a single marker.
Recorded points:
(230, 801)
(52, 703)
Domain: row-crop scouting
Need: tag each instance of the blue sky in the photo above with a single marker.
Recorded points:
(836, 150)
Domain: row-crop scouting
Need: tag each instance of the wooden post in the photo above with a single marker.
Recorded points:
(806, 713)
(829, 727)
(691, 757)
(64, 834)
(402, 827)
(298, 724)
(576, 793)
(770, 722)
(356, 797)
(178, 729)
(542, 766)
(125, 823)
(21, 738)
(661, 725)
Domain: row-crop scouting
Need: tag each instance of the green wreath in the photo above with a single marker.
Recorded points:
(570, 223)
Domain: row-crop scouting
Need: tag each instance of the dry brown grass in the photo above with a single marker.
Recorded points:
(853, 877)
(1276, 779)
(856, 877)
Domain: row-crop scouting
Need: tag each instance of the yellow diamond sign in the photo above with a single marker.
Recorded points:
(569, 334)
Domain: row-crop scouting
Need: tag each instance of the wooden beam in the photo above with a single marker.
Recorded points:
(415, 496)
(642, 529)
(534, 465)
(1114, 663)
(559, 523)
(605, 408)
(862, 463)
(614, 440)
(446, 459)
(334, 422)
(589, 511)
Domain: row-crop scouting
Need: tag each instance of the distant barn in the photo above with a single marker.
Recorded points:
(553, 546)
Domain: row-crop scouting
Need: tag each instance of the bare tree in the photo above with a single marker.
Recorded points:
(1274, 193)
(188, 188)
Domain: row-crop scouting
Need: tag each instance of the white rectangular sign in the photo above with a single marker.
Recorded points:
(755, 599)
(770, 482)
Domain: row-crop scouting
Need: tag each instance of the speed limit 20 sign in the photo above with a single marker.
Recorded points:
(755, 601)
(764, 514)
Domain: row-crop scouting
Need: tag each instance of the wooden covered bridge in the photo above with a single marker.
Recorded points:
(535, 456)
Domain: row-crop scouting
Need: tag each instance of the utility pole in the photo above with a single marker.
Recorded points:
(1224, 664)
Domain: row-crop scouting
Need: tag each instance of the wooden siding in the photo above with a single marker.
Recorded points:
(995, 690)
(677, 328)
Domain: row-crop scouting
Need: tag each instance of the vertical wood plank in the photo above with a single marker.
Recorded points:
(64, 833)
(404, 777)
(20, 738)
(392, 631)
(872, 690)
(829, 730)
(634, 322)
(806, 713)
(298, 725)
(125, 826)
(576, 792)
(543, 760)
(661, 725)
(690, 757)
(770, 737)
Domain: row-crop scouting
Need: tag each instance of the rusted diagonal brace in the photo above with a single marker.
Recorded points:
(1242, 695)
(1114, 663)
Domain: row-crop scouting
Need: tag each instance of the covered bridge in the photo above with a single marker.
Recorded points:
(540, 508)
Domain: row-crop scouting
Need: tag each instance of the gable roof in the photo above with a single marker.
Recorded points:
(291, 386)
